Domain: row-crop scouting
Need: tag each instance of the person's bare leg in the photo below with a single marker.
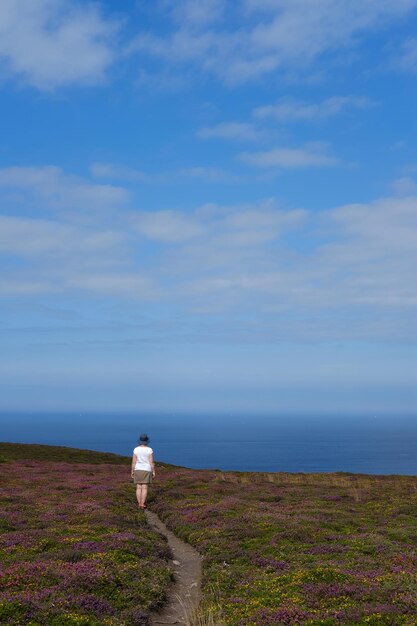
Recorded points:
(141, 496)
(138, 494)
(144, 494)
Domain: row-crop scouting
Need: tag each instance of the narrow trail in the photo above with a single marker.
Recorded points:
(185, 592)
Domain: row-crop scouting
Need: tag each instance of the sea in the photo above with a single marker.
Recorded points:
(368, 444)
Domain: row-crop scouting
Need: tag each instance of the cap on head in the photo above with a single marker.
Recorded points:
(143, 438)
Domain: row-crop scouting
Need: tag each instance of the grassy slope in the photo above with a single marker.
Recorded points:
(317, 549)
(40, 452)
(74, 548)
(320, 549)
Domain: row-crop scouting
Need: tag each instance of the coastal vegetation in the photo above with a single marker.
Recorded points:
(308, 549)
(74, 548)
(277, 548)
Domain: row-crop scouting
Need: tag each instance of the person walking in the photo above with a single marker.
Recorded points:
(143, 469)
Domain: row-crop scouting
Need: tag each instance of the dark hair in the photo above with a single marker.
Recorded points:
(143, 438)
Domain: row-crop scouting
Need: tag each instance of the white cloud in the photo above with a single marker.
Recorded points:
(313, 274)
(231, 130)
(201, 13)
(359, 264)
(124, 284)
(404, 186)
(309, 156)
(205, 173)
(57, 190)
(387, 226)
(261, 37)
(406, 61)
(168, 226)
(54, 43)
(118, 172)
(64, 258)
(18, 286)
(289, 109)
(46, 238)
(253, 226)
(364, 267)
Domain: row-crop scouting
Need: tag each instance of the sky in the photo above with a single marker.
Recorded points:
(208, 206)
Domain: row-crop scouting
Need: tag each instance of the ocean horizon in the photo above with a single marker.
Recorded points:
(275, 443)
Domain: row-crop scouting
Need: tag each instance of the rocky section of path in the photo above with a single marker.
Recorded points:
(185, 593)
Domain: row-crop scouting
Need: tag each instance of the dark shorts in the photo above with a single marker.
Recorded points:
(142, 477)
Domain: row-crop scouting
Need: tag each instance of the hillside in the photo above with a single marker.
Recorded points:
(278, 548)
(73, 546)
(284, 549)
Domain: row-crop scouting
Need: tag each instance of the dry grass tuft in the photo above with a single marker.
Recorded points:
(206, 614)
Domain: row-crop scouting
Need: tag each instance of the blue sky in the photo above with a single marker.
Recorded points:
(208, 206)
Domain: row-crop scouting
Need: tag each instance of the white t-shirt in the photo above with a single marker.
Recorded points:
(142, 458)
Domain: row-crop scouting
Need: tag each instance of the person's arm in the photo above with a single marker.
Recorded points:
(133, 464)
(151, 461)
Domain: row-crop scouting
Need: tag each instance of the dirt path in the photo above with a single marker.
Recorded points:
(185, 592)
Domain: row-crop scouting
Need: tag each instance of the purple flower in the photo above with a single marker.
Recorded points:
(269, 562)
(136, 617)
(92, 604)
(284, 616)
(327, 549)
